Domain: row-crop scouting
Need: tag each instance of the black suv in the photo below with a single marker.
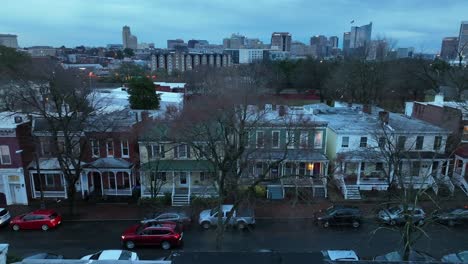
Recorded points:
(452, 217)
(339, 215)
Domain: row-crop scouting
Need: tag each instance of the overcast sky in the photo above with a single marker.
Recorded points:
(418, 23)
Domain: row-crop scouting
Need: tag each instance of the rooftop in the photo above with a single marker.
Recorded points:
(11, 120)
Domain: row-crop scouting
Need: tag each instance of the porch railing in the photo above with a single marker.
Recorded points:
(117, 192)
(460, 181)
(324, 181)
(51, 194)
(339, 179)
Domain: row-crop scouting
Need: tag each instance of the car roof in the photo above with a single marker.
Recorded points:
(43, 212)
(113, 254)
(342, 254)
(168, 225)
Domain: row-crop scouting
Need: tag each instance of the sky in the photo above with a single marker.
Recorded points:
(417, 23)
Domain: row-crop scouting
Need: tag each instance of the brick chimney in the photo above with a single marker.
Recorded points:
(384, 117)
(367, 108)
(282, 111)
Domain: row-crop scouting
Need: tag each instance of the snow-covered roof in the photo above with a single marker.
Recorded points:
(171, 85)
(11, 120)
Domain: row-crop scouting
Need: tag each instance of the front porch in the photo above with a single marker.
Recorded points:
(50, 179)
(108, 177)
(460, 172)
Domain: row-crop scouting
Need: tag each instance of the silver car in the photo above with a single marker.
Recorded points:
(4, 216)
(396, 215)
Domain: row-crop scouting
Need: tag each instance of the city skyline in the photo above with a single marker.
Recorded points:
(75, 23)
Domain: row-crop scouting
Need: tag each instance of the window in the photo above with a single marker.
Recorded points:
(363, 166)
(111, 181)
(61, 146)
(202, 176)
(155, 151)
(290, 139)
(318, 139)
(124, 147)
(419, 142)
(401, 142)
(379, 166)
(49, 180)
(95, 148)
(5, 155)
(275, 139)
(363, 142)
(437, 142)
(382, 142)
(46, 147)
(182, 151)
(303, 139)
(345, 142)
(110, 148)
(260, 141)
(290, 168)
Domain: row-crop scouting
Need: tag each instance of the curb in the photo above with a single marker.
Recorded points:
(102, 220)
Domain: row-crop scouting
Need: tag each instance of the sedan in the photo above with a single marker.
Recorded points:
(452, 217)
(112, 254)
(166, 235)
(4, 216)
(461, 257)
(45, 256)
(40, 219)
(178, 217)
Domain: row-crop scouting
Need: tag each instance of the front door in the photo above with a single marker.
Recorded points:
(16, 193)
(184, 178)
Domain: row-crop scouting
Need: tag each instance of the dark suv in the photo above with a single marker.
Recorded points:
(339, 215)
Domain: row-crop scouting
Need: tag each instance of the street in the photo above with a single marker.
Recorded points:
(76, 239)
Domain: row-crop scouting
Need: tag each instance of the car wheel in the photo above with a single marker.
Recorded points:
(392, 222)
(241, 225)
(45, 227)
(326, 224)
(129, 244)
(16, 227)
(206, 225)
(356, 224)
(451, 223)
(165, 245)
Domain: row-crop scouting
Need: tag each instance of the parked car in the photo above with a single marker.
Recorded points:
(460, 257)
(44, 256)
(339, 215)
(40, 219)
(112, 254)
(340, 255)
(452, 217)
(178, 217)
(398, 256)
(166, 235)
(240, 218)
(396, 215)
(4, 216)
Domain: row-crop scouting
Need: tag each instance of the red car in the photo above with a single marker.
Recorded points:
(39, 219)
(166, 235)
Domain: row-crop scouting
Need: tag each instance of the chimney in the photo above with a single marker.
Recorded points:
(384, 117)
(18, 119)
(439, 99)
(144, 116)
(367, 108)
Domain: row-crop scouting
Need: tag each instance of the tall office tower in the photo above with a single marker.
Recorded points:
(9, 40)
(449, 49)
(129, 41)
(360, 36)
(281, 41)
(463, 39)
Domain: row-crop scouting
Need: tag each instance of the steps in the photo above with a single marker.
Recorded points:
(181, 198)
(275, 192)
(353, 192)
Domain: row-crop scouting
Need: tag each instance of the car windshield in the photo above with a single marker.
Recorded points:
(394, 210)
(53, 216)
(3, 212)
(213, 211)
(330, 210)
(96, 256)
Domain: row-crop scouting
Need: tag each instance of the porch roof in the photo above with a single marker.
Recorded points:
(178, 165)
(360, 155)
(462, 151)
(109, 163)
(290, 155)
(48, 164)
(427, 155)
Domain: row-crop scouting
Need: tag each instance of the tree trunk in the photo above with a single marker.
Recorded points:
(71, 198)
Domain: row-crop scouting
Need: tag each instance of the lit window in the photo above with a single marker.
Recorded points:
(318, 139)
(303, 139)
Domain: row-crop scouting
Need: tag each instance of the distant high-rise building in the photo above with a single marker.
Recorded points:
(463, 39)
(319, 43)
(449, 48)
(9, 40)
(346, 42)
(281, 41)
(299, 49)
(253, 43)
(361, 36)
(193, 43)
(333, 42)
(173, 43)
(404, 52)
(377, 50)
(129, 40)
(236, 41)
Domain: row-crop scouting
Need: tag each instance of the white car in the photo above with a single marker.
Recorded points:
(112, 254)
(460, 257)
(4, 216)
(340, 255)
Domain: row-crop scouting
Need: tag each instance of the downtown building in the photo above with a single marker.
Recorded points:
(463, 40)
(176, 60)
(281, 41)
(129, 41)
(449, 48)
(9, 40)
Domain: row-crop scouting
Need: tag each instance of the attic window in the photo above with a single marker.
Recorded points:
(18, 119)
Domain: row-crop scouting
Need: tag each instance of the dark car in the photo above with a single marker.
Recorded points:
(166, 235)
(177, 217)
(452, 217)
(339, 215)
(398, 215)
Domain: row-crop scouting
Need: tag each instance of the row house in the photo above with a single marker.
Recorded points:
(171, 167)
(105, 149)
(15, 153)
(361, 140)
(454, 117)
(287, 149)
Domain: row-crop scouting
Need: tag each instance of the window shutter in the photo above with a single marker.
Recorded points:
(188, 151)
(176, 151)
(163, 153)
(150, 151)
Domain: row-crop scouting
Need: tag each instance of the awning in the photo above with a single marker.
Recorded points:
(109, 163)
(178, 165)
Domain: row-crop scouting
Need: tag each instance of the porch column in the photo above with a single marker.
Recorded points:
(130, 180)
(463, 170)
(173, 182)
(115, 181)
(102, 183)
(64, 185)
(358, 180)
(447, 167)
(81, 183)
(31, 178)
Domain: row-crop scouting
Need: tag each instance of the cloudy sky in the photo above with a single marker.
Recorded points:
(418, 23)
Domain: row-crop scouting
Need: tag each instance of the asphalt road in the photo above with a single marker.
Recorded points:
(76, 239)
